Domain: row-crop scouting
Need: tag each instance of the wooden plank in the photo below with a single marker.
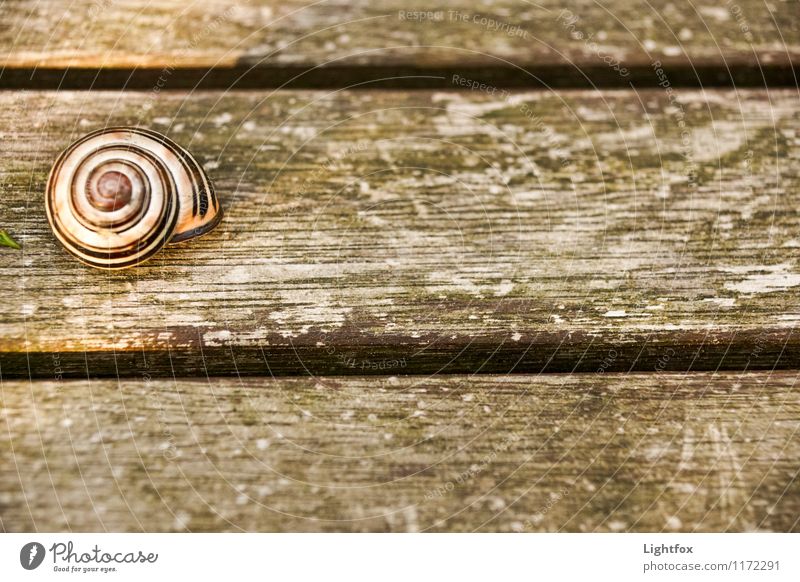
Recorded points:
(259, 43)
(384, 232)
(595, 452)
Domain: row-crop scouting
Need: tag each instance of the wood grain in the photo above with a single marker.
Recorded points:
(388, 232)
(264, 43)
(594, 452)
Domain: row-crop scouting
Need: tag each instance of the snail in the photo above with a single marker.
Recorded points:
(116, 196)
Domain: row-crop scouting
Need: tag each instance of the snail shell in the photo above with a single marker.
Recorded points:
(116, 196)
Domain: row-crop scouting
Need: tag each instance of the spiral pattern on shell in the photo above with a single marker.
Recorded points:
(116, 196)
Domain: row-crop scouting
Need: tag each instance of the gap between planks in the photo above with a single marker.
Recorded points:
(370, 77)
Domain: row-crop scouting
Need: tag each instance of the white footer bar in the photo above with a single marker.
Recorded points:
(400, 557)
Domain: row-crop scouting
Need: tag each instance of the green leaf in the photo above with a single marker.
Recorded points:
(7, 241)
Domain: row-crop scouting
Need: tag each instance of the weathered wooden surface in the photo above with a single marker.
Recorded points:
(377, 232)
(387, 232)
(114, 43)
(594, 452)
